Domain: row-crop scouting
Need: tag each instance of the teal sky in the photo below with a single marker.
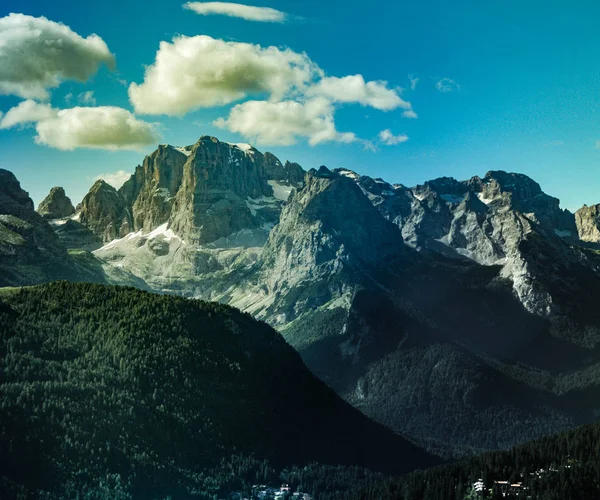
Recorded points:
(522, 81)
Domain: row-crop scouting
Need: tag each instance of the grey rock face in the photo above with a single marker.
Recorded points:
(588, 223)
(291, 173)
(105, 212)
(486, 220)
(56, 205)
(218, 179)
(328, 228)
(204, 192)
(151, 190)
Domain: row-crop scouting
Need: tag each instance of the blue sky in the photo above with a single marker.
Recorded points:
(527, 99)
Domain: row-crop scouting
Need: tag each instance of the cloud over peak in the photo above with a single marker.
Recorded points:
(201, 71)
(53, 53)
(290, 96)
(247, 12)
(353, 88)
(103, 127)
(115, 179)
(280, 123)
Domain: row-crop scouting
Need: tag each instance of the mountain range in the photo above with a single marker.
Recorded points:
(461, 314)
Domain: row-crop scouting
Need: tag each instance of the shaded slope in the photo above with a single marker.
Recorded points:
(98, 381)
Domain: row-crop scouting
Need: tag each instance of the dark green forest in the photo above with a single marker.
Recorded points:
(111, 392)
(115, 393)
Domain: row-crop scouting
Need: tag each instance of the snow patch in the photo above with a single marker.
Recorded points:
(280, 191)
(163, 193)
(58, 222)
(182, 150)
(350, 174)
(483, 199)
(163, 230)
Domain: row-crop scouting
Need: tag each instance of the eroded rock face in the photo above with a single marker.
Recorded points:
(218, 181)
(56, 205)
(291, 173)
(105, 212)
(30, 251)
(486, 220)
(588, 223)
(327, 229)
(204, 192)
(151, 190)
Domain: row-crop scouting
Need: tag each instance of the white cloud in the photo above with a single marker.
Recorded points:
(353, 88)
(413, 81)
(103, 127)
(247, 12)
(386, 137)
(87, 98)
(115, 179)
(37, 54)
(27, 112)
(281, 123)
(447, 85)
(201, 71)
(409, 113)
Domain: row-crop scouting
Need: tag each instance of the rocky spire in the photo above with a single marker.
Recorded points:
(104, 211)
(56, 205)
(588, 223)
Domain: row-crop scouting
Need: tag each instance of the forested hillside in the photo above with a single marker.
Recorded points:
(111, 392)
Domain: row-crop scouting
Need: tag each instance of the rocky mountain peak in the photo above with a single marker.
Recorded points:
(56, 205)
(219, 182)
(104, 211)
(13, 199)
(521, 186)
(587, 220)
(330, 220)
(290, 173)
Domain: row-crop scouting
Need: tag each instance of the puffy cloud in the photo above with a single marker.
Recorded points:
(446, 85)
(386, 137)
(353, 88)
(103, 127)
(409, 113)
(200, 71)
(247, 12)
(53, 53)
(281, 123)
(115, 179)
